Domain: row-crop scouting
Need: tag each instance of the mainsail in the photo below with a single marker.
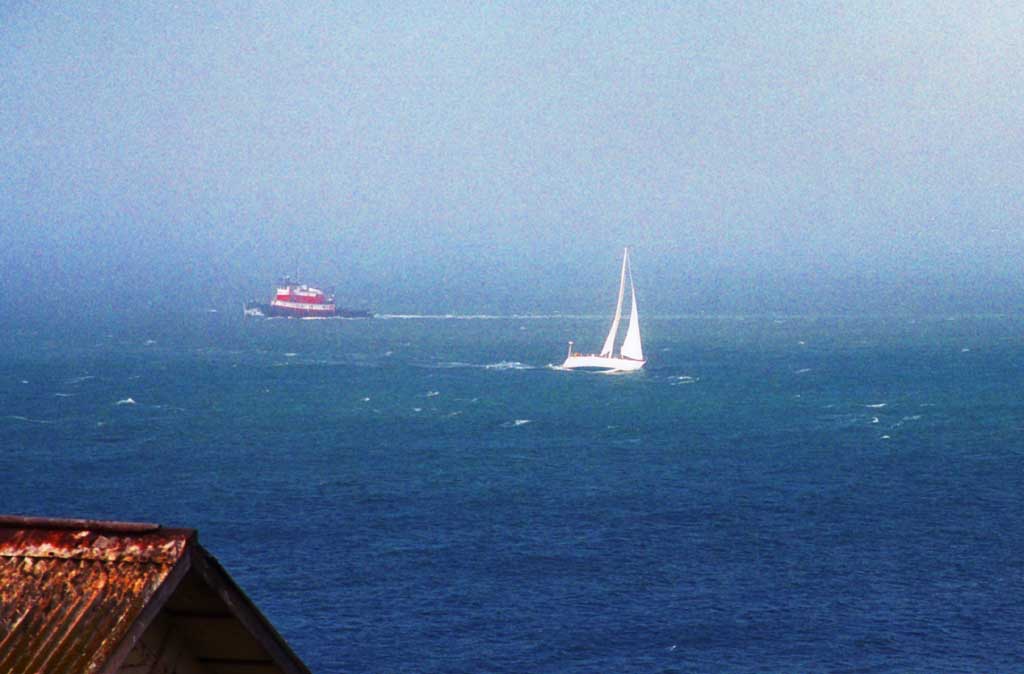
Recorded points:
(631, 347)
(609, 342)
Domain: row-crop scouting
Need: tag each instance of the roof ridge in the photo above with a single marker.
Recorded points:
(19, 522)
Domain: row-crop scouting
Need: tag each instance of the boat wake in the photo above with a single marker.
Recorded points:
(450, 365)
(509, 365)
(475, 317)
(501, 365)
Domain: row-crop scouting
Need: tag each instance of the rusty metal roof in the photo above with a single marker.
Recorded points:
(77, 596)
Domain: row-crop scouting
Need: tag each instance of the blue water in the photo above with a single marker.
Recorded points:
(426, 495)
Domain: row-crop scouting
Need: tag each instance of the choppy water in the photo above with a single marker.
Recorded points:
(425, 494)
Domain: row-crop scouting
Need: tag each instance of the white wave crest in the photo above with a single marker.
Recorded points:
(515, 423)
(18, 417)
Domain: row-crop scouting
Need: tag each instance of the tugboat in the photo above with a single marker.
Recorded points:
(299, 300)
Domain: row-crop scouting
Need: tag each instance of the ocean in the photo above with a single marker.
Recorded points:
(426, 494)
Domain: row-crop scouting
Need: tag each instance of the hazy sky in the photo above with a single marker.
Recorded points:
(433, 156)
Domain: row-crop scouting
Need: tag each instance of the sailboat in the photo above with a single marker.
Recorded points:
(631, 353)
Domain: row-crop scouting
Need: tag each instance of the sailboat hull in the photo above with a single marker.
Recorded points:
(602, 364)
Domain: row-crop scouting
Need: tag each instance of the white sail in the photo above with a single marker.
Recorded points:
(609, 342)
(631, 346)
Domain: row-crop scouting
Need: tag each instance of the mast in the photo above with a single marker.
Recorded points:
(609, 342)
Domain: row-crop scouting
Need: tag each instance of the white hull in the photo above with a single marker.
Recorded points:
(602, 363)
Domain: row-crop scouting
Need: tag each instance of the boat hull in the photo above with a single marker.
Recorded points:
(273, 310)
(602, 364)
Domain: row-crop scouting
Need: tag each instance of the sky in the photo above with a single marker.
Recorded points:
(797, 157)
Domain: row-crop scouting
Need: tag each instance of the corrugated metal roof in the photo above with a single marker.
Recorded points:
(88, 597)
(70, 590)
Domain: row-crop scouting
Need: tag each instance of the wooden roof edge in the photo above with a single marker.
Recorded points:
(246, 612)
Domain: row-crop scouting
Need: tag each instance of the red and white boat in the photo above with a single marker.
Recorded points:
(299, 300)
